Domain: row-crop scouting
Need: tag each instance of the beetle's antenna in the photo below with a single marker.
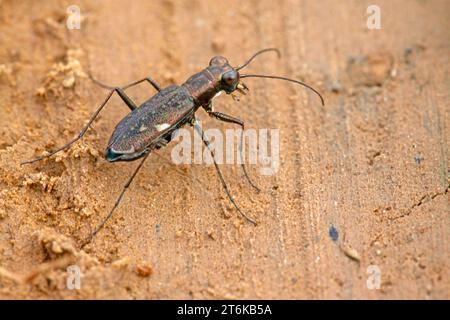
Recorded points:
(257, 54)
(286, 79)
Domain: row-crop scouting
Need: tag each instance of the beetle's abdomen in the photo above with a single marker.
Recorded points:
(157, 116)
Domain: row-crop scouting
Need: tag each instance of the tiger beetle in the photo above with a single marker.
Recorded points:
(150, 126)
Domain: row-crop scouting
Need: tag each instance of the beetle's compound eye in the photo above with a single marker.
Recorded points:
(218, 61)
(230, 78)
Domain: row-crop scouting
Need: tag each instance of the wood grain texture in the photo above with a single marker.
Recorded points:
(372, 166)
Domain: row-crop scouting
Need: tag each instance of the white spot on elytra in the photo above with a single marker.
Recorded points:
(142, 128)
(162, 127)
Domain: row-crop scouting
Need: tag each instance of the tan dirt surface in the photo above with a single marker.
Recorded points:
(362, 182)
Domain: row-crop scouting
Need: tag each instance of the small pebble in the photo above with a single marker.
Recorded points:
(68, 82)
(333, 233)
(144, 270)
(351, 253)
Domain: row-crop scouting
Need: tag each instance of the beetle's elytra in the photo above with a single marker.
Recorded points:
(150, 125)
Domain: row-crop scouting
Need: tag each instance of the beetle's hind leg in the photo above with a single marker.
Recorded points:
(80, 135)
(118, 200)
(125, 98)
(148, 79)
(198, 128)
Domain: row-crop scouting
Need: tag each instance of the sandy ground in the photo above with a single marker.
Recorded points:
(363, 182)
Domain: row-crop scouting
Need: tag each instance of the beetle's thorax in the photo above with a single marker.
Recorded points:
(203, 86)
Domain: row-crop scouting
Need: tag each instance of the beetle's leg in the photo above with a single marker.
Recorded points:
(222, 180)
(161, 143)
(121, 94)
(226, 118)
(80, 135)
(121, 90)
(116, 204)
(126, 98)
(148, 79)
(210, 106)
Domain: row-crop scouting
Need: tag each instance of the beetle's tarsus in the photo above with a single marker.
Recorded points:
(66, 146)
(100, 84)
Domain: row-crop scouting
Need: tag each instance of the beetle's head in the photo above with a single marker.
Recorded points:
(227, 77)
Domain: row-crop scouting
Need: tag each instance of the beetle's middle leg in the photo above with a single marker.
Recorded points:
(199, 129)
(227, 118)
(118, 200)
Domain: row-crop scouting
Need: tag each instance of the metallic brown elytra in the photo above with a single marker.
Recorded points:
(151, 125)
